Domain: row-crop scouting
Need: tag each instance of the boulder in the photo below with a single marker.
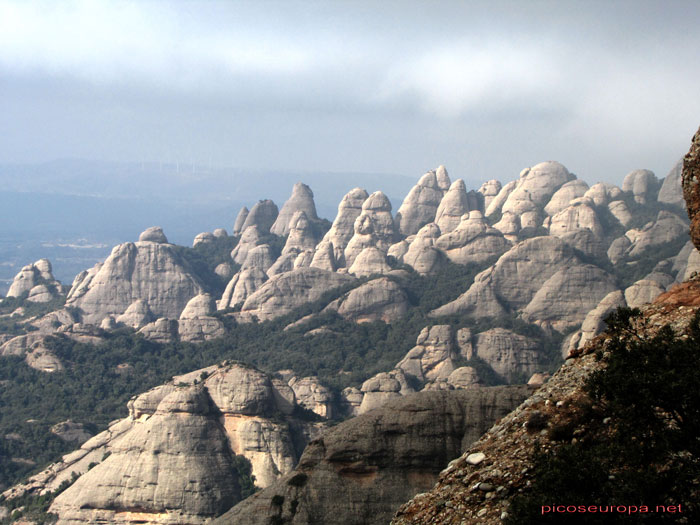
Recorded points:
(497, 202)
(142, 478)
(151, 271)
(474, 240)
(666, 228)
(250, 238)
(224, 270)
(153, 234)
(621, 212)
(577, 216)
(324, 257)
(420, 205)
(382, 388)
(642, 292)
(380, 299)
(563, 301)
(240, 221)
(287, 291)
(301, 200)
(489, 190)
(603, 193)
(671, 191)
(453, 205)
(370, 261)
(642, 184)
(241, 286)
(434, 355)
(373, 227)
(161, 331)
(137, 315)
(691, 187)
(342, 229)
(564, 195)
(196, 322)
(594, 323)
(510, 355)
(378, 460)
(262, 215)
(37, 281)
(464, 377)
(422, 255)
(312, 395)
(301, 235)
(260, 257)
(203, 238)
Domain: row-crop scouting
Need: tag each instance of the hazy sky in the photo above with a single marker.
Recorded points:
(486, 88)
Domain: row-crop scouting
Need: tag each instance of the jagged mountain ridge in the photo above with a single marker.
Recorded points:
(374, 231)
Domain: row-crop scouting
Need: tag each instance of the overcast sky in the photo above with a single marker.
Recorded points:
(486, 88)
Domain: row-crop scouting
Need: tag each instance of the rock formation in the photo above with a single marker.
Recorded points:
(453, 205)
(671, 191)
(262, 215)
(37, 282)
(240, 221)
(241, 286)
(510, 355)
(370, 261)
(420, 205)
(489, 190)
(377, 391)
(564, 195)
(250, 238)
(137, 315)
(380, 299)
(302, 199)
(377, 460)
(301, 236)
(422, 255)
(196, 322)
(142, 480)
(342, 229)
(641, 183)
(373, 227)
(691, 187)
(286, 291)
(149, 270)
(472, 241)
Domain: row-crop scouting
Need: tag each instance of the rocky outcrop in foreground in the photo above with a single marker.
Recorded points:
(361, 470)
(691, 187)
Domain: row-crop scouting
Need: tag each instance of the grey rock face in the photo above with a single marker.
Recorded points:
(379, 390)
(370, 261)
(420, 205)
(151, 271)
(373, 227)
(312, 395)
(671, 191)
(378, 460)
(324, 257)
(259, 257)
(342, 229)
(509, 354)
(594, 323)
(513, 281)
(301, 236)
(621, 212)
(143, 475)
(642, 292)
(153, 234)
(224, 270)
(241, 286)
(603, 193)
(262, 215)
(302, 199)
(381, 299)
(667, 227)
(203, 238)
(474, 240)
(137, 315)
(433, 356)
(240, 221)
(453, 205)
(564, 195)
(250, 238)
(37, 281)
(161, 331)
(489, 190)
(565, 298)
(533, 190)
(577, 216)
(641, 183)
(196, 322)
(284, 292)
